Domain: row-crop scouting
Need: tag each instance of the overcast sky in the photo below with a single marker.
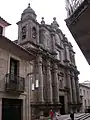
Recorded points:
(11, 11)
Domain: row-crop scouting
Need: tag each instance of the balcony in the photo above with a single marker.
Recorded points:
(78, 24)
(14, 83)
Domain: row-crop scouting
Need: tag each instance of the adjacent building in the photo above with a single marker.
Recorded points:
(85, 97)
(14, 80)
(75, 20)
(38, 71)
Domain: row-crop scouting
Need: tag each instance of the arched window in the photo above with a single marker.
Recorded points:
(24, 32)
(34, 33)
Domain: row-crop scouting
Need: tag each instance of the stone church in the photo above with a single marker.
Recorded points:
(54, 76)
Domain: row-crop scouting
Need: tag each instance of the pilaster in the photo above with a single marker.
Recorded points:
(49, 82)
(74, 89)
(53, 43)
(41, 97)
(70, 87)
(56, 84)
(77, 90)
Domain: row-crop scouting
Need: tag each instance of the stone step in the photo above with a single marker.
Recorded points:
(86, 116)
(80, 116)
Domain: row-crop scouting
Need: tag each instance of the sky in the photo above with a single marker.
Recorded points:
(11, 11)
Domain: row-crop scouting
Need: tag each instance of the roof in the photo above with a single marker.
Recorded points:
(4, 22)
(28, 10)
(80, 84)
(15, 49)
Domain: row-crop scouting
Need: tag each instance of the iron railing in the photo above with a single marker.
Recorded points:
(74, 16)
(14, 83)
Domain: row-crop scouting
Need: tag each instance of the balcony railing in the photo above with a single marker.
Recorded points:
(14, 83)
(75, 14)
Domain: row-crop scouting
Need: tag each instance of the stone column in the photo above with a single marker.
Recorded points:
(70, 87)
(74, 89)
(41, 96)
(66, 103)
(53, 44)
(70, 94)
(56, 84)
(49, 83)
(77, 90)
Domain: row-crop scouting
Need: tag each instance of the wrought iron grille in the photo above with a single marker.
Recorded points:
(14, 83)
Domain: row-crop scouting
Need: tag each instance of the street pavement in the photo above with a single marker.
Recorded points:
(88, 118)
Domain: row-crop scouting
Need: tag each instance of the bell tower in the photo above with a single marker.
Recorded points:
(28, 27)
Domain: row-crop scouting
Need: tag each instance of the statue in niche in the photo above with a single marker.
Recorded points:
(60, 78)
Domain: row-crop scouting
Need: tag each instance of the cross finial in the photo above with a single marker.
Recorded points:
(42, 22)
(28, 5)
(42, 18)
(54, 18)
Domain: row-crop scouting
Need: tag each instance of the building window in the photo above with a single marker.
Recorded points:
(24, 32)
(14, 67)
(1, 30)
(87, 92)
(34, 33)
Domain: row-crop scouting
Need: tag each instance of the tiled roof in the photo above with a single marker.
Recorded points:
(7, 24)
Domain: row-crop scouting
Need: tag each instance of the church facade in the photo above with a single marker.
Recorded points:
(54, 76)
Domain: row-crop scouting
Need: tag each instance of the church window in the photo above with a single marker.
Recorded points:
(24, 32)
(34, 34)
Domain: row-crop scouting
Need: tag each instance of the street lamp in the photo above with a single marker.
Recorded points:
(33, 83)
